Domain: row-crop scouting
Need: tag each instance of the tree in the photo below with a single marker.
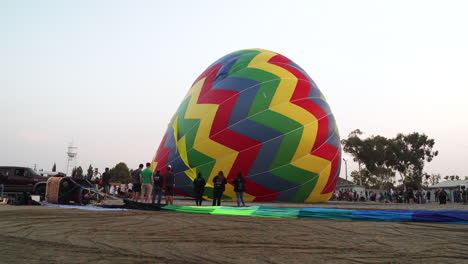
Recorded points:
(353, 145)
(365, 178)
(410, 153)
(375, 154)
(89, 174)
(432, 179)
(120, 173)
(452, 177)
(54, 168)
(382, 157)
(79, 172)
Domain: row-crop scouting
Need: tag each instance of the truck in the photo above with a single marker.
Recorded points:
(22, 179)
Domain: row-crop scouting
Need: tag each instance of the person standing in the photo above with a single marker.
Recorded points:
(136, 183)
(106, 182)
(96, 177)
(157, 187)
(428, 196)
(147, 182)
(219, 186)
(239, 188)
(170, 185)
(3, 179)
(442, 196)
(410, 196)
(464, 194)
(199, 188)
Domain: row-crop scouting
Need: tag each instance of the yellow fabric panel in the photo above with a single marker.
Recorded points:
(206, 113)
(281, 104)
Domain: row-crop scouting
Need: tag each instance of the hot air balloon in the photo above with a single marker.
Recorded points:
(258, 113)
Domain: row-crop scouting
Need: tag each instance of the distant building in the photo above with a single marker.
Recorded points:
(449, 186)
(348, 186)
(51, 173)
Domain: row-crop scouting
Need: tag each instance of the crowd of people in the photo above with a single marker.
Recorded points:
(149, 186)
(404, 196)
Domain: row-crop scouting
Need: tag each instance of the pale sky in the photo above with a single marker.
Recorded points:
(109, 74)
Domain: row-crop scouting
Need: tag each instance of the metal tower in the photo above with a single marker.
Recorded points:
(72, 153)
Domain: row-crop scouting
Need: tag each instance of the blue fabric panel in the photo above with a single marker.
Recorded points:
(441, 216)
(178, 166)
(272, 182)
(323, 105)
(242, 106)
(381, 215)
(337, 214)
(277, 212)
(256, 131)
(227, 62)
(266, 155)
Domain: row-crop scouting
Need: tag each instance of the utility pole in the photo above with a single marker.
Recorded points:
(346, 168)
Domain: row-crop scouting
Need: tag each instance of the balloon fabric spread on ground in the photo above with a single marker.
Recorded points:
(428, 216)
(255, 112)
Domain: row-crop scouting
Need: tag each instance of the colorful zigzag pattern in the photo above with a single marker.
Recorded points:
(255, 112)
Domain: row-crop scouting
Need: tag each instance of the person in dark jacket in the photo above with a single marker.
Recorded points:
(442, 196)
(157, 186)
(170, 185)
(239, 188)
(136, 183)
(106, 182)
(219, 185)
(464, 194)
(3, 179)
(199, 188)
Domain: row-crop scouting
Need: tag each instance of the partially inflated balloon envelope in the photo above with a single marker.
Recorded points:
(258, 113)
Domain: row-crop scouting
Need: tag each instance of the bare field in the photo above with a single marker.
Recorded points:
(36, 234)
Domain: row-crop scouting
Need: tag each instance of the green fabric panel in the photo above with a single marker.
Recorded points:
(258, 75)
(190, 135)
(243, 61)
(229, 211)
(294, 174)
(198, 160)
(276, 121)
(206, 169)
(185, 125)
(209, 192)
(263, 97)
(305, 189)
(287, 149)
(189, 209)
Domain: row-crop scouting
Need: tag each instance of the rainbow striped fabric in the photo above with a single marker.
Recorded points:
(428, 216)
(258, 113)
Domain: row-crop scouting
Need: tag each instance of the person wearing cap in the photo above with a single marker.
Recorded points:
(136, 183)
(157, 187)
(170, 185)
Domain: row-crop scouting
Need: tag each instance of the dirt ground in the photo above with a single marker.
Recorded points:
(37, 234)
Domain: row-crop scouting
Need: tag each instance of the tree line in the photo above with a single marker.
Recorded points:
(381, 159)
(119, 173)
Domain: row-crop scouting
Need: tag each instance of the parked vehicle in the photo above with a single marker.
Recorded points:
(23, 179)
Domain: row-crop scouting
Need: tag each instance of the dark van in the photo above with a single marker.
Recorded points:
(22, 179)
